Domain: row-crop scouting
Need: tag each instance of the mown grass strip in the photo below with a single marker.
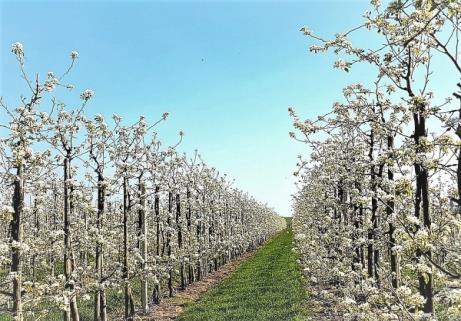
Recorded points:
(267, 286)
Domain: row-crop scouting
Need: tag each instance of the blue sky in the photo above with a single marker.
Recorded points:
(225, 71)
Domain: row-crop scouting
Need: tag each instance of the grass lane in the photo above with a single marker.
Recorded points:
(267, 286)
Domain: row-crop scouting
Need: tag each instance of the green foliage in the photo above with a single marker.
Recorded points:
(266, 287)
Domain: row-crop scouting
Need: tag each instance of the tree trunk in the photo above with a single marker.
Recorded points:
(142, 200)
(156, 291)
(100, 313)
(372, 256)
(168, 244)
(17, 237)
(127, 294)
(422, 199)
(72, 312)
(157, 220)
(178, 219)
(390, 211)
(36, 231)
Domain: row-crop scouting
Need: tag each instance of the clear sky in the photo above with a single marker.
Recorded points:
(225, 71)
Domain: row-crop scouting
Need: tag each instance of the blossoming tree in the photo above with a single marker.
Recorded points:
(102, 221)
(386, 188)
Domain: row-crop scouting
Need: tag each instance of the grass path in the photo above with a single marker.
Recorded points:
(266, 287)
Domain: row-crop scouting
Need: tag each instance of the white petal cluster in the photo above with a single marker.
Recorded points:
(17, 49)
(378, 203)
(87, 94)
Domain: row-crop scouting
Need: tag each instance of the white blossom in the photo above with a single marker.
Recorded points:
(17, 49)
(87, 94)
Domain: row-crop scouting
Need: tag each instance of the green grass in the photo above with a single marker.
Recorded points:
(267, 286)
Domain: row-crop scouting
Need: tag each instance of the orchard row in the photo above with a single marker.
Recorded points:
(379, 202)
(98, 215)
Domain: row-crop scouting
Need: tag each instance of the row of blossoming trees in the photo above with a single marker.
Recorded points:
(97, 216)
(379, 198)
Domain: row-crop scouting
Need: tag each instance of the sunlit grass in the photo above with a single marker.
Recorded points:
(266, 287)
